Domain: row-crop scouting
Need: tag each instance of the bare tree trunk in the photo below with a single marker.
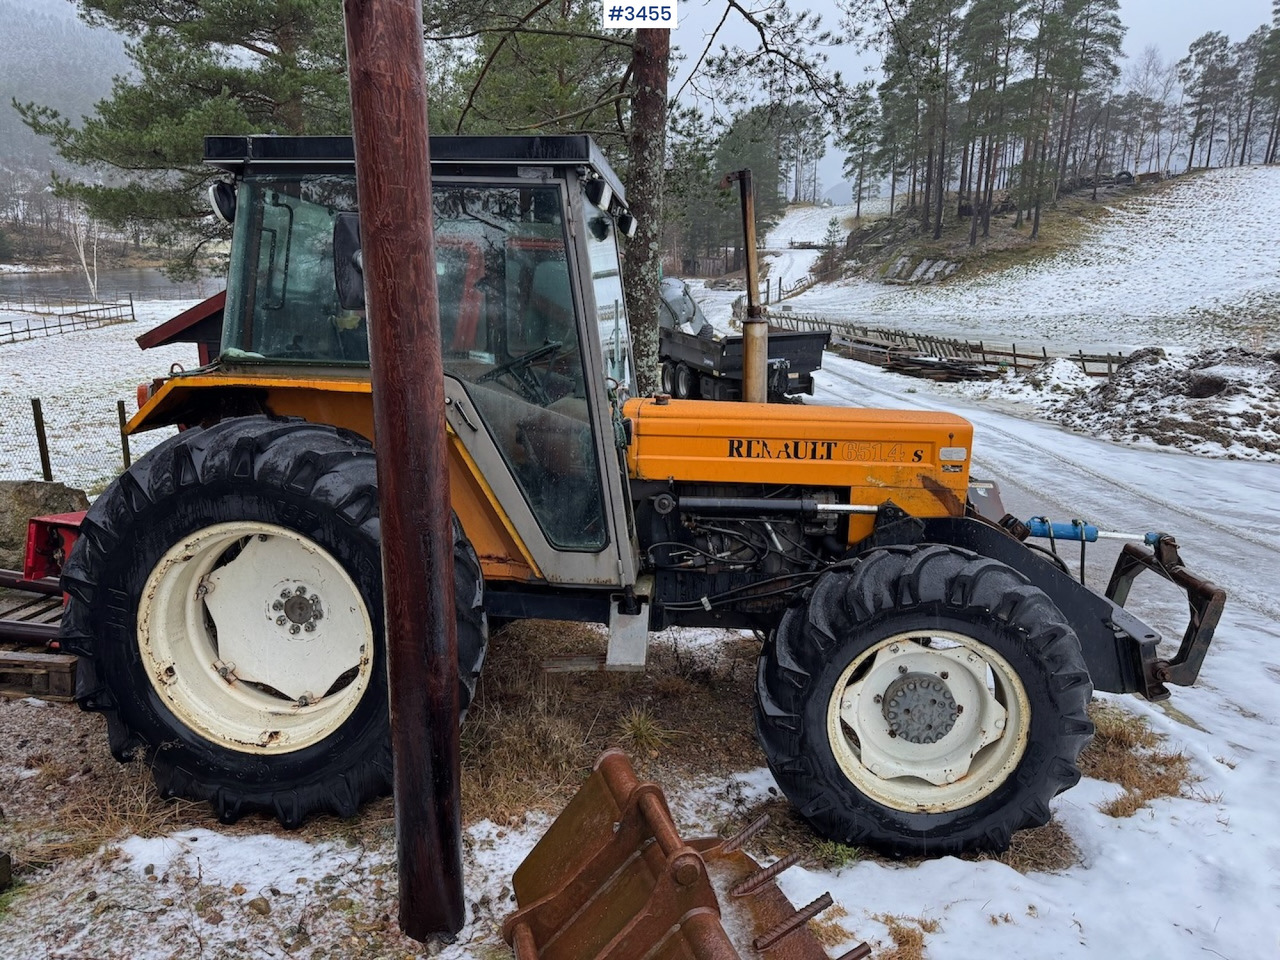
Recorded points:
(84, 237)
(1248, 130)
(642, 259)
(973, 197)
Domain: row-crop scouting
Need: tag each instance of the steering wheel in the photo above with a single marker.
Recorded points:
(518, 369)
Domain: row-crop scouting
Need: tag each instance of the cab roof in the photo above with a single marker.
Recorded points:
(238, 155)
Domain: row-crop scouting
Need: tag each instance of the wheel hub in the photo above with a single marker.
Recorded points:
(919, 708)
(297, 610)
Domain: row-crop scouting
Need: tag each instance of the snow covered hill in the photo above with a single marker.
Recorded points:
(1185, 266)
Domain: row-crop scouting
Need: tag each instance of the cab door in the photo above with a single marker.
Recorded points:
(524, 391)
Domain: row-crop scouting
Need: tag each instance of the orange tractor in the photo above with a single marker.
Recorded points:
(923, 684)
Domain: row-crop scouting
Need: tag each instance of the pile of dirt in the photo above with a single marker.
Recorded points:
(1219, 403)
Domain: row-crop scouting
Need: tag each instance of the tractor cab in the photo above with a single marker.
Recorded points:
(537, 354)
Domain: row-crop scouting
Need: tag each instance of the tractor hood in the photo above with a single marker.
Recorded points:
(917, 459)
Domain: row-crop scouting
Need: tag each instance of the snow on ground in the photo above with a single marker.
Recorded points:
(78, 377)
(1189, 265)
(1217, 403)
(808, 223)
(791, 266)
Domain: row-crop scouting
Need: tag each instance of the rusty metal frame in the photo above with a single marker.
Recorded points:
(613, 880)
(1205, 598)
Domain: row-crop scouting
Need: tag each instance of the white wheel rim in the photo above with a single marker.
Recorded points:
(941, 759)
(264, 651)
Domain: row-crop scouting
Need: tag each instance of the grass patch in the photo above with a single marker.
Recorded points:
(827, 928)
(1127, 752)
(8, 897)
(907, 934)
(1063, 226)
(1046, 849)
(119, 806)
(531, 736)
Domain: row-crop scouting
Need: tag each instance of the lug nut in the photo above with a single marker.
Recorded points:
(285, 594)
(301, 591)
(310, 627)
(902, 668)
(959, 709)
(280, 621)
(277, 605)
(944, 675)
(262, 537)
(295, 629)
(878, 699)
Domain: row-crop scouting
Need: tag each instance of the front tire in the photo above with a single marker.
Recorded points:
(226, 603)
(923, 701)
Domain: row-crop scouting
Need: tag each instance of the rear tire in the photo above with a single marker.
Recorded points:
(686, 384)
(923, 701)
(226, 603)
(668, 378)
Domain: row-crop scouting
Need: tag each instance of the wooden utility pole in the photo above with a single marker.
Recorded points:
(393, 179)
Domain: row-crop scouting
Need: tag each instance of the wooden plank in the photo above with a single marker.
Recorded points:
(49, 676)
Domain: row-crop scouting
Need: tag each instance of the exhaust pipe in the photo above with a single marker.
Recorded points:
(755, 330)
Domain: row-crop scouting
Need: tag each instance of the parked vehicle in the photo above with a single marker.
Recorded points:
(923, 684)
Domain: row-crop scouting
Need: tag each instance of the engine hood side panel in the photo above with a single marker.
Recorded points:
(918, 459)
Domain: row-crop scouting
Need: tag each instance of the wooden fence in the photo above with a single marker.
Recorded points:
(998, 356)
(51, 317)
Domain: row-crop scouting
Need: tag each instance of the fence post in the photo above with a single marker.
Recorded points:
(1015, 359)
(124, 434)
(41, 440)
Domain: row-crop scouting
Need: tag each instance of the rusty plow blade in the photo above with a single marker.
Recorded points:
(612, 880)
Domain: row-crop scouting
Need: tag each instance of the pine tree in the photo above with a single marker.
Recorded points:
(857, 138)
(201, 67)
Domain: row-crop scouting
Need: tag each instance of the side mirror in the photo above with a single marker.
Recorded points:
(348, 262)
(222, 198)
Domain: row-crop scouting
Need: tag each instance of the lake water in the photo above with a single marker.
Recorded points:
(143, 284)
